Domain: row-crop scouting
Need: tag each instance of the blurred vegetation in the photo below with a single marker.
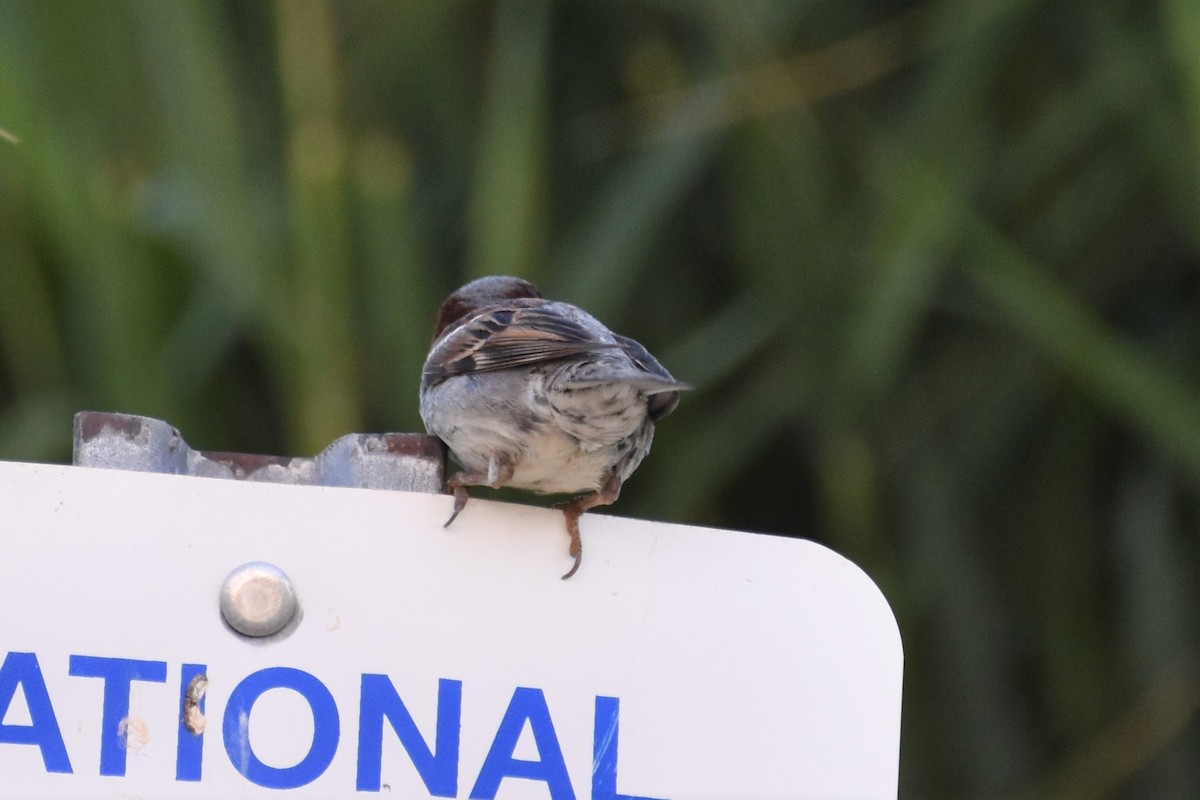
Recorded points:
(932, 267)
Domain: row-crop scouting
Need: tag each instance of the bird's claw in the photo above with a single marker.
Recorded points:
(572, 513)
(460, 502)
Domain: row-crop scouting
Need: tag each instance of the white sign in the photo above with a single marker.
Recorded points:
(679, 662)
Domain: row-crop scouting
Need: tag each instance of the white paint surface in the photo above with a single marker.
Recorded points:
(747, 666)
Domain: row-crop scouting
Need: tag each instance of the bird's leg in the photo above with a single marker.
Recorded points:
(573, 510)
(500, 471)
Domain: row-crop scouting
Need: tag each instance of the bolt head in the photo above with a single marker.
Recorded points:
(257, 599)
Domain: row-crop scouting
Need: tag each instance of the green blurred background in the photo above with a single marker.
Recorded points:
(931, 266)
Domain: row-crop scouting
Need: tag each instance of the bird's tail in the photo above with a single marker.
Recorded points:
(642, 381)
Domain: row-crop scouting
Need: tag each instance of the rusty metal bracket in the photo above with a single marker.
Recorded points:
(404, 461)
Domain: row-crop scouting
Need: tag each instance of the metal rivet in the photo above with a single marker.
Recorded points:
(257, 599)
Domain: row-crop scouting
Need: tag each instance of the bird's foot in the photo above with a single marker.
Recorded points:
(457, 486)
(460, 502)
(573, 510)
(499, 472)
(572, 514)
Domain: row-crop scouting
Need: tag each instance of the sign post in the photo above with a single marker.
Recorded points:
(681, 662)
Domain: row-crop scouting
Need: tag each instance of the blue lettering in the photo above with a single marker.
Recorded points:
(604, 751)
(438, 768)
(326, 728)
(189, 750)
(118, 674)
(21, 669)
(526, 705)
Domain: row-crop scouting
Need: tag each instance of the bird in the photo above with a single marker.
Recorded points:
(539, 395)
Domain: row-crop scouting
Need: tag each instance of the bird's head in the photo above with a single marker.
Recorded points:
(481, 293)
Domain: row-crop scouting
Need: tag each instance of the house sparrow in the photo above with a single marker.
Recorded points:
(539, 395)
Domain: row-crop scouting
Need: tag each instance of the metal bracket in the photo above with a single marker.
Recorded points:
(405, 461)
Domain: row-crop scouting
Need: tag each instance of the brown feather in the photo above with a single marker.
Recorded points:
(514, 334)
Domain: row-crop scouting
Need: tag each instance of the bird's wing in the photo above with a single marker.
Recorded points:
(510, 335)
